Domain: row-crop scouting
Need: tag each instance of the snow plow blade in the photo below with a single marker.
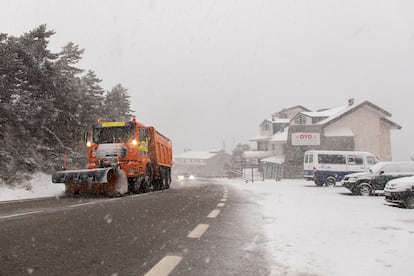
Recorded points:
(94, 181)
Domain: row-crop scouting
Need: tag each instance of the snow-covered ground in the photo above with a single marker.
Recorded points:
(326, 231)
(312, 230)
(39, 186)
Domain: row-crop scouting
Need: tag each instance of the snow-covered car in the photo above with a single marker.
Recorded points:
(378, 176)
(400, 191)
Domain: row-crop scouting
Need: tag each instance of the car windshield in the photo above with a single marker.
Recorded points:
(377, 168)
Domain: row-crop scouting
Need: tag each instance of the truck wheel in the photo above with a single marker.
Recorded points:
(365, 189)
(167, 179)
(163, 181)
(134, 186)
(318, 183)
(145, 183)
(330, 181)
(409, 202)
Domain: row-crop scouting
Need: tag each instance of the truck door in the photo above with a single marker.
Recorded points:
(355, 163)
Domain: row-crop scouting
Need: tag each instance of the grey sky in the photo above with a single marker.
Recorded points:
(208, 71)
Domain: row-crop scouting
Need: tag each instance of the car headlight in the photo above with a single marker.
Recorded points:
(352, 179)
(390, 186)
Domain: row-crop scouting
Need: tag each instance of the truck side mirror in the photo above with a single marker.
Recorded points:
(85, 136)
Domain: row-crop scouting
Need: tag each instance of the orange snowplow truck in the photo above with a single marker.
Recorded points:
(123, 157)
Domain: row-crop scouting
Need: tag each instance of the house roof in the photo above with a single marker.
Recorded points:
(334, 114)
(260, 138)
(265, 121)
(352, 108)
(196, 155)
(393, 125)
(325, 113)
(293, 107)
(281, 121)
(280, 136)
(278, 159)
(256, 154)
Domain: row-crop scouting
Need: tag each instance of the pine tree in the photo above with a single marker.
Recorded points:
(46, 104)
(117, 106)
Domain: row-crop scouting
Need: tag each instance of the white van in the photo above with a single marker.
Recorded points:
(325, 166)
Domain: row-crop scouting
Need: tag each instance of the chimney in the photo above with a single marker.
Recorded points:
(351, 101)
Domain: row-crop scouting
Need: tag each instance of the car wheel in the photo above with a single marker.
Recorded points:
(330, 181)
(409, 202)
(365, 189)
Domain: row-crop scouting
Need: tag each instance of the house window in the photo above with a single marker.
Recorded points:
(300, 120)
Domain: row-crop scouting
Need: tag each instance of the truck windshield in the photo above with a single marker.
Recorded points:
(108, 135)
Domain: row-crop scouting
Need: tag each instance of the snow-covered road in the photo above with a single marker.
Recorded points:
(313, 230)
(326, 231)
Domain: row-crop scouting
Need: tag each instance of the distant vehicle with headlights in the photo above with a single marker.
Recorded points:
(400, 191)
(378, 176)
(123, 157)
(328, 167)
(185, 176)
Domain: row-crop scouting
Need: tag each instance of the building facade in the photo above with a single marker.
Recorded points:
(356, 126)
(202, 163)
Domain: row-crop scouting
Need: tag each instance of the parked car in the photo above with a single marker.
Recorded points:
(328, 167)
(400, 191)
(367, 183)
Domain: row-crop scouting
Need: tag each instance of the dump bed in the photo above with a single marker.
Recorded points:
(159, 148)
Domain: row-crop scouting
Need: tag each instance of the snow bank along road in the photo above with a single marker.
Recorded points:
(194, 228)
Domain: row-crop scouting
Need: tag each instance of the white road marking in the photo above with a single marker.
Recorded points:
(221, 205)
(165, 266)
(27, 200)
(224, 196)
(214, 213)
(21, 214)
(198, 231)
(224, 200)
(83, 204)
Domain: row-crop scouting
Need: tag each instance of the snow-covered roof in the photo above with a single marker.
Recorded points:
(256, 154)
(280, 136)
(279, 159)
(196, 155)
(260, 138)
(327, 112)
(281, 120)
(266, 121)
(333, 114)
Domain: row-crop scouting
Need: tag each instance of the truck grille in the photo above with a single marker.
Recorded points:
(109, 151)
